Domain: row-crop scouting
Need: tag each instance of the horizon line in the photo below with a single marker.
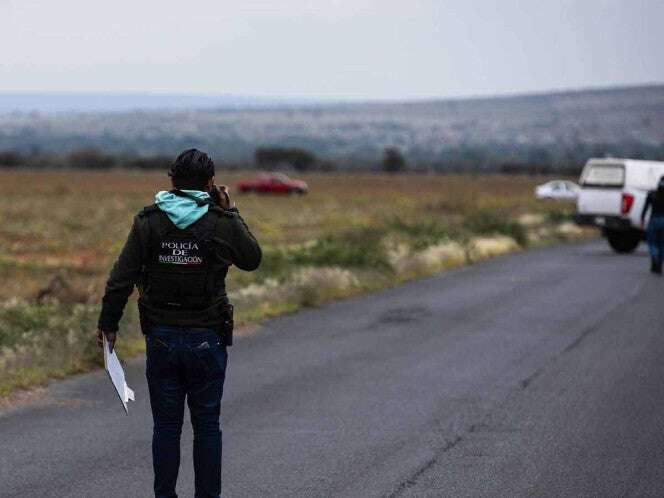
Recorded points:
(332, 98)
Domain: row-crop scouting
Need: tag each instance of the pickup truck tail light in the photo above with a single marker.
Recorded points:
(626, 203)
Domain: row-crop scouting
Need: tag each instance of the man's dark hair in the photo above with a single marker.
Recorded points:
(192, 170)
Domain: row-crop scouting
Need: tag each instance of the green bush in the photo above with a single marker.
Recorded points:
(422, 233)
(354, 248)
(483, 223)
(91, 158)
(559, 215)
(16, 322)
(42, 341)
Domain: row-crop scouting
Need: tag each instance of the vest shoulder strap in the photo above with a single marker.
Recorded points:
(148, 209)
(220, 211)
(206, 227)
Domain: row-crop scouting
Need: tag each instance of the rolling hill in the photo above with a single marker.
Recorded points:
(556, 129)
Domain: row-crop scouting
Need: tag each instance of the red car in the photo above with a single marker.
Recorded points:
(276, 183)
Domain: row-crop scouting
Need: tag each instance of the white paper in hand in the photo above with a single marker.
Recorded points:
(116, 373)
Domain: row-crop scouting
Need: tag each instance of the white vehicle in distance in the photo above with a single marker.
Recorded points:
(557, 189)
(612, 195)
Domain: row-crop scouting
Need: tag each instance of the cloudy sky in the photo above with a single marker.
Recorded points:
(384, 49)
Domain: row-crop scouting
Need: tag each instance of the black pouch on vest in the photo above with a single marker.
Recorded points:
(226, 324)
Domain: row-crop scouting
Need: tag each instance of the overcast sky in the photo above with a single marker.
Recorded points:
(329, 48)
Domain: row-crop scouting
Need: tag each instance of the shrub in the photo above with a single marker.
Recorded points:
(150, 163)
(559, 215)
(393, 160)
(92, 159)
(272, 157)
(10, 159)
(422, 233)
(484, 223)
(359, 247)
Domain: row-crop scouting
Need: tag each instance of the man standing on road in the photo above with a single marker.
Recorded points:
(177, 254)
(655, 232)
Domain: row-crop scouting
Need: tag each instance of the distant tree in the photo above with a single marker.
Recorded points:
(274, 157)
(149, 163)
(393, 160)
(91, 158)
(10, 159)
(327, 166)
(302, 160)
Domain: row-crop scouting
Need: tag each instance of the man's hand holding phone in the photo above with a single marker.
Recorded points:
(221, 197)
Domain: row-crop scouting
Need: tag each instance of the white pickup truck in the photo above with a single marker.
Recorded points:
(612, 195)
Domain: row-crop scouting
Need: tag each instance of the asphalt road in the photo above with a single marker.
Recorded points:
(537, 374)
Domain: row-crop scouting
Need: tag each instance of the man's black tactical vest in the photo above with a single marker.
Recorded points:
(184, 270)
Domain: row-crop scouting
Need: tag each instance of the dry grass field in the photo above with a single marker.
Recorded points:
(61, 231)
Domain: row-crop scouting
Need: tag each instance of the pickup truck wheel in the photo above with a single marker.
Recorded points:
(623, 241)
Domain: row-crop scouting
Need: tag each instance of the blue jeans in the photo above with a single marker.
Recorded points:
(655, 237)
(185, 363)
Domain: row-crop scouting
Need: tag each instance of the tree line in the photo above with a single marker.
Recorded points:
(470, 158)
